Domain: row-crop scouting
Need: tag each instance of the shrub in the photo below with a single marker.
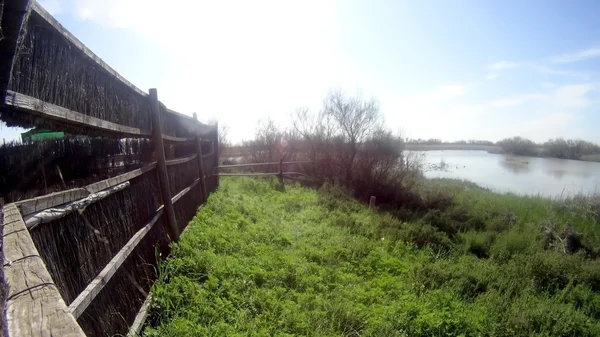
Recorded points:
(441, 221)
(550, 271)
(423, 235)
(478, 244)
(512, 243)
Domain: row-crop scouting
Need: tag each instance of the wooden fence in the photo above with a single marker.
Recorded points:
(81, 261)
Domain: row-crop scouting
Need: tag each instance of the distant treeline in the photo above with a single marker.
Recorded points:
(435, 141)
(556, 148)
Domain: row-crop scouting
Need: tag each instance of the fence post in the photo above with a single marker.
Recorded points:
(281, 170)
(372, 202)
(217, 155)
(163, 177)
(201, 169)
(13, 15)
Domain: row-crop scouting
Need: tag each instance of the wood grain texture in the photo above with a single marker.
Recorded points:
(41, 203)
(78, 306)
(34, 306)
(184, 191)
(35, 106)
(51, 214)
(107, 183)
(140, 318)
(79, 45)
(161, 167)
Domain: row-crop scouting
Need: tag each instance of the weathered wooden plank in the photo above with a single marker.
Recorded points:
(163, 176)
(34, 205)
(51, 214)
(185, 190)
(180, 160)
(266, 164)
(208, 155)
(34, 305)
(45, 109)
(140, 318)
(79, 45)
(41, 203)
(104, 184)
(78, 306)
(176, 139)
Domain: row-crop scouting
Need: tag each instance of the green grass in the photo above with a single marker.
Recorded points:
(260, 259)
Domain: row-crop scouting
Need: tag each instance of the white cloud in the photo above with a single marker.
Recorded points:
(552, 71)
(547, 85)
(490, 77)
(573, 96)
(577, 56)
(504, 65)
(516, 101)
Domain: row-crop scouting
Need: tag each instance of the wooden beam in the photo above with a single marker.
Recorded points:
(83, 300)
(34, 305)
(180, 160)
(37, 107)
(79, 45)
(110, 182)
(185, 190)
(51, 214)
(140, 318)
(30, 206)
(176, 139)
(266, 164)
(163, 177)
(14, 18)
(208, 155)
(35, 205)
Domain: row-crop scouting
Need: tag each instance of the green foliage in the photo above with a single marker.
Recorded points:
(261, 259)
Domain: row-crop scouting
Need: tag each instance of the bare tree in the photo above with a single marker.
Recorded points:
(264, 146)
(356, 120)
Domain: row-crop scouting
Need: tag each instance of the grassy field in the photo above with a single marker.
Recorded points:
(261, 259)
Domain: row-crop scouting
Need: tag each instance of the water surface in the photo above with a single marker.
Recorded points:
(549, 177)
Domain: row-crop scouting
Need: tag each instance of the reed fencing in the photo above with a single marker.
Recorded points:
(85, 218)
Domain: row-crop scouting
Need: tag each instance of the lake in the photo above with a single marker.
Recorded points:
(549, 177)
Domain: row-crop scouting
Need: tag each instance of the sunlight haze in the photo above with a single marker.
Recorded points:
(440, 69)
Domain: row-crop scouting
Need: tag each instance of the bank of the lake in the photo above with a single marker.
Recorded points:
(549, 177)
(494, 149)
(261, 259)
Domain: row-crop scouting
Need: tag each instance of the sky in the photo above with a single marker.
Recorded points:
(439, 69)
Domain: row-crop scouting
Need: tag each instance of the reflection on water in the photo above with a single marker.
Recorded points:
(516, 167)
(522, 175)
